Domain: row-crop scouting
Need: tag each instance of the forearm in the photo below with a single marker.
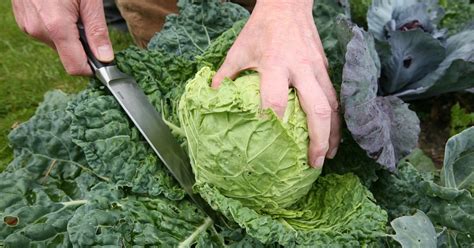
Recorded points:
(300, 5)
(285, 9)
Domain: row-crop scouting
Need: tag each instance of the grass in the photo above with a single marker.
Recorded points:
(28, 69)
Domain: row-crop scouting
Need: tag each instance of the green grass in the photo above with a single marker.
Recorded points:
(28, 69)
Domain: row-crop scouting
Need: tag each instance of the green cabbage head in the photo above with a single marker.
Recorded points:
(246, 153)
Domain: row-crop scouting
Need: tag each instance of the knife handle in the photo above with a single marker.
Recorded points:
(91, 59)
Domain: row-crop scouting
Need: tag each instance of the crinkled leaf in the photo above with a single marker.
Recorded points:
(52, 198)
(115, 149)
(458, 168)
(162, 76)
(383, 126)
(239, 158)
(326, 14)
(113, 219)
(197, 25)
(215, 54)
(38, 187)
(314, 220)
(34, 214)
(413, 54)
(414, 231)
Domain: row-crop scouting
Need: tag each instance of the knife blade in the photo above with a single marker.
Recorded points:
(149, 122)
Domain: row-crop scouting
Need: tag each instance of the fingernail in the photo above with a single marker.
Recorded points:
(318, 163)
(105, 53)
(332, 154)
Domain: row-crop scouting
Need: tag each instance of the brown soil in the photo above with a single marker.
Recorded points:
(435, 116)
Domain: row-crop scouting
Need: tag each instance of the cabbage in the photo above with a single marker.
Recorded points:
(243, 151)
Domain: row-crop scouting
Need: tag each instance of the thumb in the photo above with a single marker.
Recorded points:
(93, 19)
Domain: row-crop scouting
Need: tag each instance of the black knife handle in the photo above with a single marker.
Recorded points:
(91, 59)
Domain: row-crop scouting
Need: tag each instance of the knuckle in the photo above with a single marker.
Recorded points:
(320, 59)
(32, 31)
(97, 31)
(55, 29)
(271, 55)
(334, 105)
(320, 147)
(275, 103)
(306, 61)
(75, 70)
(323, 111)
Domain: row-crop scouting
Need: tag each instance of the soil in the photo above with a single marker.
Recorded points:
(435, 117)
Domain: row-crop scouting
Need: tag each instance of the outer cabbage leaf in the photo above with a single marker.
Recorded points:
(314, 220)
(413, 54)
(34, 213)
(112, 218)
(383, 126)
(245, 152)
(215, 54)
(52, 198)
(38, 187)
(162, 76)
(197, 25)
(458, 168)
(454, 73)
(448, 208)
(414, 231)
(114, 148)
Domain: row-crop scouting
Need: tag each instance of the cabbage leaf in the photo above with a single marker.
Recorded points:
(383, 126)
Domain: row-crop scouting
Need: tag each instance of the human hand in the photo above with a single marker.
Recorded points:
(54, 22)
(281, 42)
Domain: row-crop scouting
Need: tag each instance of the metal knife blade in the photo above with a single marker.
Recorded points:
(150, 124)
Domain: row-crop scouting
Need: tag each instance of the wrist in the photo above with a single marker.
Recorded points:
(286, 5)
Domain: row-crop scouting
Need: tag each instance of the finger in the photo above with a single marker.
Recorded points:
(328, 89)
(19, 10)
(93, 19)
(318, 112)
(274, 86)
(29, 21)
(71, 52)
(60, 24)
(228, 69)
(334, 135)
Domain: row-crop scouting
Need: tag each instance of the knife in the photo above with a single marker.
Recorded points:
(149, 122)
